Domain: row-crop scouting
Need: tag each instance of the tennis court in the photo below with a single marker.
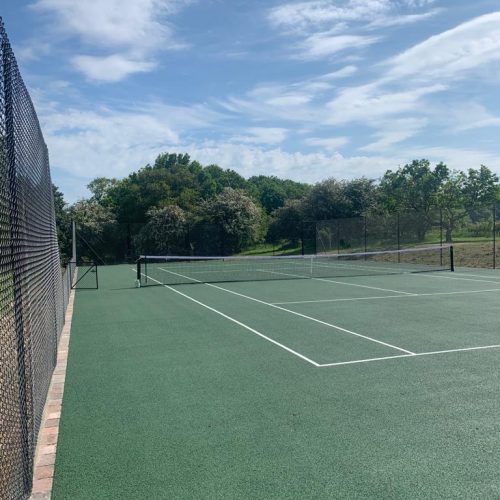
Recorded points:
(374, 385)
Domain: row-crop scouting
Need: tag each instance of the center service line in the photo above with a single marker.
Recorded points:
(336, 327)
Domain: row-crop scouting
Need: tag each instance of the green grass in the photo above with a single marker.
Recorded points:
(270, 249)
(166, 399)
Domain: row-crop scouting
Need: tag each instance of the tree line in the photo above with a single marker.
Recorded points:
(178, 206)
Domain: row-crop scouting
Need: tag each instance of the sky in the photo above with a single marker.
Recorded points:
(304, 90)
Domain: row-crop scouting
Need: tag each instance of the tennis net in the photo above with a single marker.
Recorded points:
(178, 270)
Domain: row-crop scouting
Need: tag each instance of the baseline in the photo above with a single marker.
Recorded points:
(420, 354)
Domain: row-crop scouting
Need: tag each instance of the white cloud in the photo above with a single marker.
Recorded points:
(321, 45)
(113, 23)
(110, 68)
(329, 144)
(458, 158)
(108, 142)
(129, 31)
(88, 143)
(313, 167)
(369, 103)
(393, 132)
(317, 14)
(326, 27)
(469, 116)
(262, 135)
(453, 53)
(387, 21)
(324, 12)
(341, 73)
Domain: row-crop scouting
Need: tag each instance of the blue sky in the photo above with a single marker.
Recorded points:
(299, 89)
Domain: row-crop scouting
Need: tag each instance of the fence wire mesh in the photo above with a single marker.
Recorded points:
(473, 231)
(33, 290)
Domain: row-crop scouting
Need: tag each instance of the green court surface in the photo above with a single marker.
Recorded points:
(354, 387)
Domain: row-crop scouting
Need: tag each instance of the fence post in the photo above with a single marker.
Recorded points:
(494, 235)
(441, 234)
(365, 234)
(338, 237)
(302, 249)
(399, 237)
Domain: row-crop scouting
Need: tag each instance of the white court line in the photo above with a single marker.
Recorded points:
(237, 322)
(453, 278)
(387, 297)
(358, 361)
(336, 327)
(341, 363)
(344, 283)
(477, 275)
(363, 286)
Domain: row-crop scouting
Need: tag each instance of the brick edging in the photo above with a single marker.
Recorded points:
(45, 455)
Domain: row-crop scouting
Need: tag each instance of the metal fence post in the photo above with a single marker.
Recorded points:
(494, 214)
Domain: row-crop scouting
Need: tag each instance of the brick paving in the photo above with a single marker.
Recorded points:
(45, 455)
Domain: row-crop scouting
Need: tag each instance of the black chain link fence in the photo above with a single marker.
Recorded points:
(473, 231)
(33, 291)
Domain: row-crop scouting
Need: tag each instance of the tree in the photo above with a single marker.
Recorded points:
(363, 195)
(414, 187)
(328, 200)
(451, 200)
(272, 192)
(63, 224)
(236, 216)
(481, 186)
(165, 233)
(287, 222)
(100, 187)
(97, 231)
(463, 195)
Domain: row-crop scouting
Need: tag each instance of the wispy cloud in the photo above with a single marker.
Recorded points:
(127, 31)
(262, 135)
(321, 45)
(393, 132)
(326, 27)
(329, 144)
(344, 72)
(453, 53)
(371, 103)
(324, 12)
(470, 116)
(110, 68)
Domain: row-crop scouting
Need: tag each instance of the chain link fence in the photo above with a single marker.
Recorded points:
(473, 231)
(33, 290)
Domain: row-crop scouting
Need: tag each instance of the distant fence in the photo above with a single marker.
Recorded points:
(33, 291)
(474, 231)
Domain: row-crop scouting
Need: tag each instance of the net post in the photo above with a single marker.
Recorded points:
(452, 259)
(138, 275)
